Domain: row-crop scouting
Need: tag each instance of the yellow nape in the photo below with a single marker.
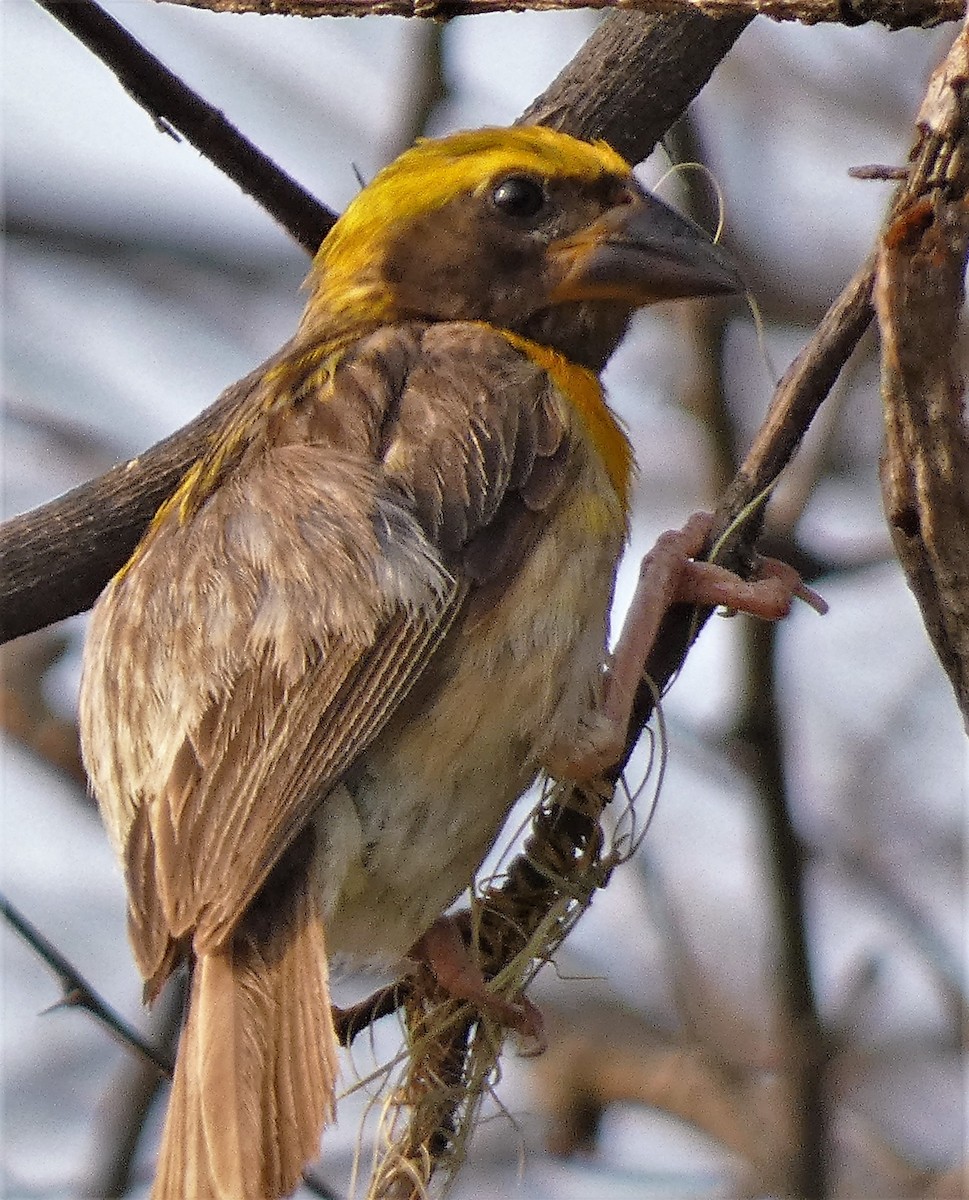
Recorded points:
(428, 176)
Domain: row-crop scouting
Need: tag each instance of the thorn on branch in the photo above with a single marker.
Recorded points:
(73, 998)
(163, 125)
(78, 993)
(879, 171)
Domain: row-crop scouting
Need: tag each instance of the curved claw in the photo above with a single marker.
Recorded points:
(774, 568)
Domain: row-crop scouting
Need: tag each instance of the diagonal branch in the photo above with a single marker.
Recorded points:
(78, 993)
(634, 77)
(174, 106)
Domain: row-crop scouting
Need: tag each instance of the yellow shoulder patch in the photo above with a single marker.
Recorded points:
(581, 387)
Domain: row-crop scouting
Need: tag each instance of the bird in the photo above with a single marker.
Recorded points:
(373, 611)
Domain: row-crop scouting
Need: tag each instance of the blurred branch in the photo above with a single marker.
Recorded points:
(24, 711)
(863, 864)
(426, 83)
(78, 993)
(319, 1187)
(919, 295)
(895, 14)
(610, 1054)
(700, 384)
(801, 1157)
(56, 559)
(128, 1099)
(949, 1185)
(803, 1042)
(174, 106)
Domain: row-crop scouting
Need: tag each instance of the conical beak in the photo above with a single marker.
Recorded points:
(639, 253)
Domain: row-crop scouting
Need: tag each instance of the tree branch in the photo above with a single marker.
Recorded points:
(634, 77)
(919, 292)
(78, 993)
(55, 560)
(174, 106)
(895, 14)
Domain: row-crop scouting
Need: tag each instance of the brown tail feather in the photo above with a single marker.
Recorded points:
(256, 1068)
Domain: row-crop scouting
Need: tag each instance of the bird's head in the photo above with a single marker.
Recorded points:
(527, 229)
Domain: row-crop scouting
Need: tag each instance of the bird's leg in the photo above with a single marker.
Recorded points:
(444, 951)
(669, 575)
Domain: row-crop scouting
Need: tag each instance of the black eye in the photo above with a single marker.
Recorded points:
(518, 196)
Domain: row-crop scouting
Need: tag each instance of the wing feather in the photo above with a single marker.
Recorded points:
(288, 617)
(302, 768)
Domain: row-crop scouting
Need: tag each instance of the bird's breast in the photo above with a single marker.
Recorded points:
(407, 829)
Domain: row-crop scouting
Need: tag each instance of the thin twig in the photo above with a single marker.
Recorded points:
(758, 727)
(865, 865)
(173, 105)
(127, 1100)
(348, 1022)
(878, 171)
(78, 993)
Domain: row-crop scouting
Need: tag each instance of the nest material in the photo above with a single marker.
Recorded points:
(517, 922)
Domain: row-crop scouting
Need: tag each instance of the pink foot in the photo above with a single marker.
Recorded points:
(671, 574)
(444, 951)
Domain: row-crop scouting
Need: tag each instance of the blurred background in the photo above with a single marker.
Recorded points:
(138, 283)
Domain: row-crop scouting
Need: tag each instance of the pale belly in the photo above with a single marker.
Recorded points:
(402, 838)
